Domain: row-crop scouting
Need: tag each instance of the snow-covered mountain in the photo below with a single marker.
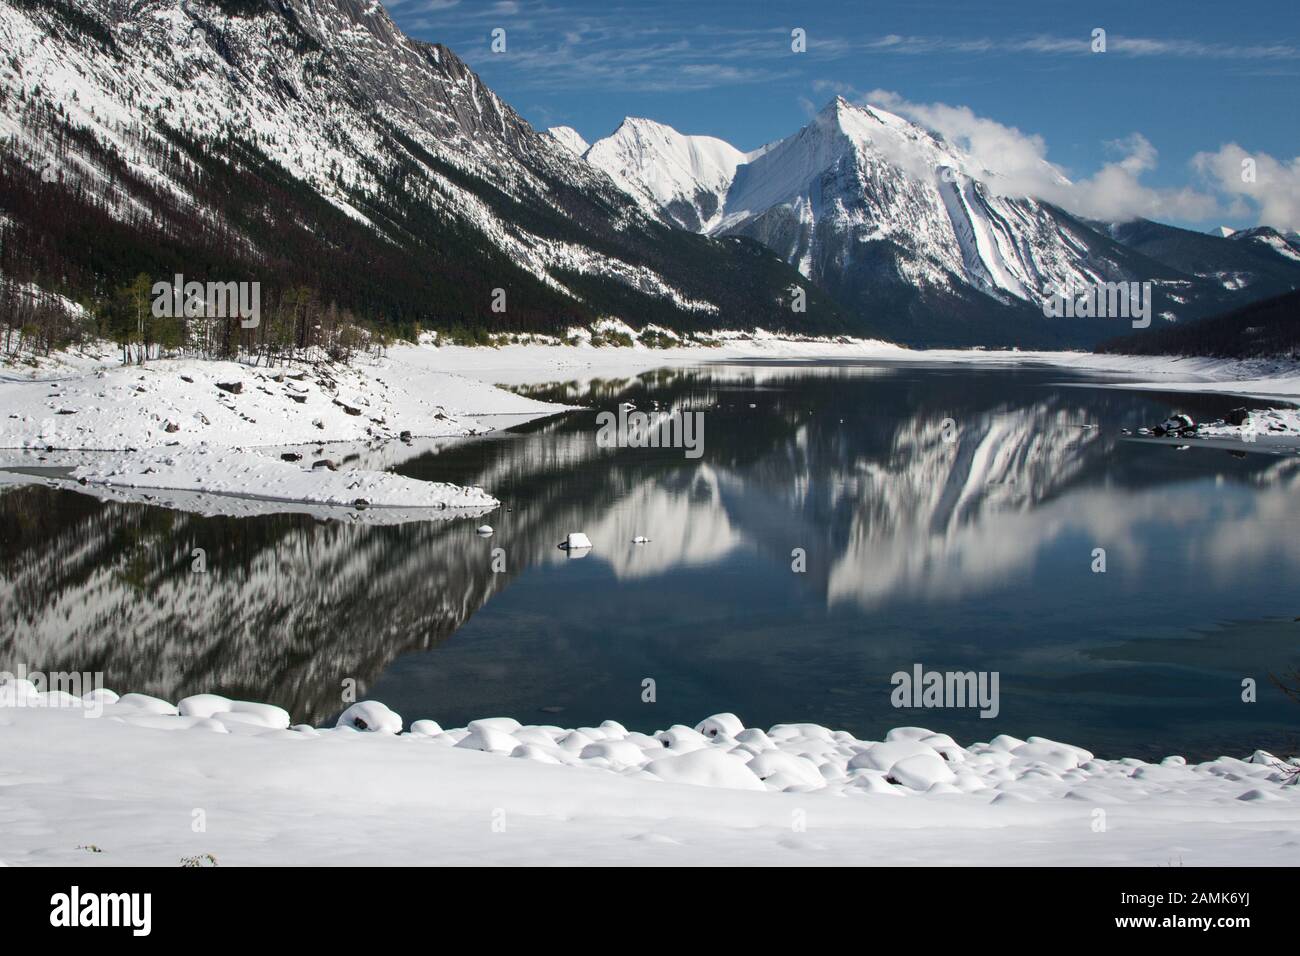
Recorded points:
(571, 139)
(860, 189)
(685, 178)
(1287, 246)
(311, 144)
(906, 230)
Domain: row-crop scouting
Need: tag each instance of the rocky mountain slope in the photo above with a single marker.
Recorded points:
(309, 143)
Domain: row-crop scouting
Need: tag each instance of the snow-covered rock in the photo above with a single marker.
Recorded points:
(705, 768)
(239, 711)
(371, 717)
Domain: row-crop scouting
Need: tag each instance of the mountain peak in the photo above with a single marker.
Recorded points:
(678, 177)
(570, 138)
(834, 108)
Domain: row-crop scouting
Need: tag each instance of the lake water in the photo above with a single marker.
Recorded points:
(968, 555)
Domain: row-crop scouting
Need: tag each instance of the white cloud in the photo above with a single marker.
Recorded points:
(1274, 191)
(1019, 159)
(1116, 191)
(1020, 166)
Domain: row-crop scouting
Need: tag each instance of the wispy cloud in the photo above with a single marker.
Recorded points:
(562, 46)
(917, 45)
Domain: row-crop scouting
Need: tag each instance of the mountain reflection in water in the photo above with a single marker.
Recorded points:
(965, 546)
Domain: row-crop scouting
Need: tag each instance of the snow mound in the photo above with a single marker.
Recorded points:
(723, 754)
(369, 716)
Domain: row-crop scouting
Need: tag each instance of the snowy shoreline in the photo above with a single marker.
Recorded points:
(497, 791)
(538, 364)
(165, 420)
(244, 474)
(222, 435)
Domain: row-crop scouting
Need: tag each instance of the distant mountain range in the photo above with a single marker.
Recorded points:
(310, 145)
(1285, 244)
(913, 237)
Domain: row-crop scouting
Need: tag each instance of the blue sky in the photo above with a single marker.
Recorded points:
(1188, 77)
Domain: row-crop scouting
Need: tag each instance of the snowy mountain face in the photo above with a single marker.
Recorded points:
(683, 178)
(1286, 246)
(910, 234)
(570, 139)
(310, 143)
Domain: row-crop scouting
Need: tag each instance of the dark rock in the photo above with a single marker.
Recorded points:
(361, 504)
(405, 436)
(324, 463)
(1238, 416)
(234, 388)
(172, 428)
(1176, 424)
(291, 456)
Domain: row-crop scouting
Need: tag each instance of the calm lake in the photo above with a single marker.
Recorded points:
(975, 554)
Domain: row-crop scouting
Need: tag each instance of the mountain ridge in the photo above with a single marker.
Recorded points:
(899, 225)
(313, 144)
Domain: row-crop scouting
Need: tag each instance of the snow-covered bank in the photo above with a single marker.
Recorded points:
(1272, 431)
(240, 473)
(188, 428)
(187, 402)
(499, 792)
(1279, 422)
(534, 364)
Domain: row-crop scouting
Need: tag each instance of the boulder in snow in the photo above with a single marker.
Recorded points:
(371, 717)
